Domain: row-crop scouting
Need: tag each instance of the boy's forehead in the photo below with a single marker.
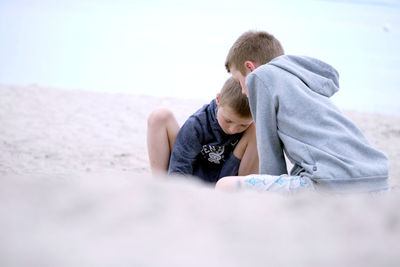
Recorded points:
(235, 74)
(235, 78)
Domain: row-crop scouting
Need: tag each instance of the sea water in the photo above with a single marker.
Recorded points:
(178, 48)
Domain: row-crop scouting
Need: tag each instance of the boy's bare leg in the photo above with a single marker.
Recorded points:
(246, 151)
(230, 183)
(162, 129)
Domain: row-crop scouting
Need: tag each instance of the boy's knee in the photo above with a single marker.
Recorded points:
(249, 137)
(159, 116)
(227, 184)
(250, 133)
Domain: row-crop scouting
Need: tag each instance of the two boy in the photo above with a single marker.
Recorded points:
(290, 104)
(218, 140)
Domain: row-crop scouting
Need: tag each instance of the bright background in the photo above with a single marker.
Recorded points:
(178, 48)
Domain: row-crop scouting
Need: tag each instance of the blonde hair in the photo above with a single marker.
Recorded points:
(231, 95)
(257, 46)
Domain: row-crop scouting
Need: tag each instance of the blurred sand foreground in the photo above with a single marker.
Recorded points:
(76, 190)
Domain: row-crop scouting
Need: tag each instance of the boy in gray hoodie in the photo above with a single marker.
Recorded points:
(290, 104)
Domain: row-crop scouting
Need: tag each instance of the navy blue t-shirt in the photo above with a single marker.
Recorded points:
(202, 148)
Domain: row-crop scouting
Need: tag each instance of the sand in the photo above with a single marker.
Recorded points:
(76, 190)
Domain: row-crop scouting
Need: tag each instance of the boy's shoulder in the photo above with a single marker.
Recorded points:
(203, 116)
(284, 66)
(263, 75)
(203, 112)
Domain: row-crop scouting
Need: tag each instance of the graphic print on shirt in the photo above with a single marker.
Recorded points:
(234, 143)
(213, 154)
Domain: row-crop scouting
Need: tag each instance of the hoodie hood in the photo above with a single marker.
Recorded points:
(320, 77)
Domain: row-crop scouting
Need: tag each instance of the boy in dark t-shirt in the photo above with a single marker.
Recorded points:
(216, 141)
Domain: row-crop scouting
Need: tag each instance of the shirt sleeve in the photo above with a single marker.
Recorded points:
(264, 109)
(186, 148)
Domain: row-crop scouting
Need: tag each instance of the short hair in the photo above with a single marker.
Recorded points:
(231, 95)
(257, 46)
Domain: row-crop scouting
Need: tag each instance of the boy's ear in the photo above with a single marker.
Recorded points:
(217, 99)
(250, 65)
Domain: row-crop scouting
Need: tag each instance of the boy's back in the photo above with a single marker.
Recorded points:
(289, 100)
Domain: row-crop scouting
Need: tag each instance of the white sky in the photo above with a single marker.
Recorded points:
(178, 48)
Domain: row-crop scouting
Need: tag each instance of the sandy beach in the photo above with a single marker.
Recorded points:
(76, 190)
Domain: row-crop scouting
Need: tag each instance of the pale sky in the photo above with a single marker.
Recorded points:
(178, 48)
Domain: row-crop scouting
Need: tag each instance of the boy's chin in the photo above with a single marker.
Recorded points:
(232, 133)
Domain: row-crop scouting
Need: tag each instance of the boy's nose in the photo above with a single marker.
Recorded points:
(232, 130)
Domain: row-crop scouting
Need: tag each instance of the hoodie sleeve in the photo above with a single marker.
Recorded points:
(264, 109)
(186, 148)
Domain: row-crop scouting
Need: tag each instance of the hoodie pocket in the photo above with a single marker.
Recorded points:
(296, 150)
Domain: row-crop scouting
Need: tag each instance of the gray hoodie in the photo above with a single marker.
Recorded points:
(289, 101)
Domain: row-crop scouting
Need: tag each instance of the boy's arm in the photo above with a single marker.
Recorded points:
(186, 149)
(264, 109)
